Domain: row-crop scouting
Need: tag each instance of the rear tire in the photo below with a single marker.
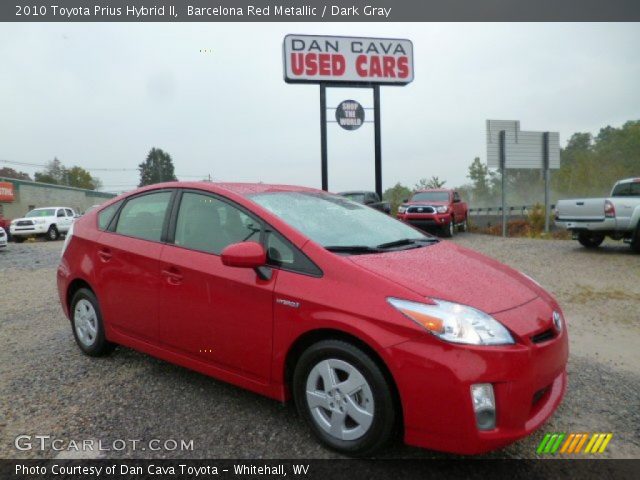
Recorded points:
(87, 325)
(52, 233)
(635, 240)
(589, 240)
(344, 397)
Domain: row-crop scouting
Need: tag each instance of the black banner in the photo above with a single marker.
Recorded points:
(319, 10)
(315, 469)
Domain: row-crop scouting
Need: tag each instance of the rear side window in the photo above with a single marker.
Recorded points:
(105, 216)
(208, 224)
(69, 212)
(143, 217)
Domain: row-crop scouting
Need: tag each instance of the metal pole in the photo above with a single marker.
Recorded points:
(547, 175)
(503, 175)
(323, 137)
(378, 147)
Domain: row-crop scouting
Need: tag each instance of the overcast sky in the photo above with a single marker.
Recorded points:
(101, 95)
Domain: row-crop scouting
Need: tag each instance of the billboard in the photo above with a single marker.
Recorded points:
(6, 192)
(315, 59)
(522, 149)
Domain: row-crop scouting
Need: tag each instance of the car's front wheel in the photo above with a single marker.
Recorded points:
(18, 239)
(344, 397)
(52, 233)
(88, 328)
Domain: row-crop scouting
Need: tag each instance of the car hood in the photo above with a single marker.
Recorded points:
(449, 272)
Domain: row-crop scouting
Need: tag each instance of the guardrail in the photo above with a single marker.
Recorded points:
(522, 210)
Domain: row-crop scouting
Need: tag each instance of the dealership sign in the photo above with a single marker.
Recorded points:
(6, 192)
(315, 59)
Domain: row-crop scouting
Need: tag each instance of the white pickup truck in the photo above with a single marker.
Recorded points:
(49, 222)
(592, 219)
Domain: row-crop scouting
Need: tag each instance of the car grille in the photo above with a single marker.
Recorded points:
(543, 336)
(421, 210)
(24, 223)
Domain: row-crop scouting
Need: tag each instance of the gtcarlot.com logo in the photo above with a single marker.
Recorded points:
(573, 443)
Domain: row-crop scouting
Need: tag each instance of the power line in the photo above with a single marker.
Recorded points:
(27, 164)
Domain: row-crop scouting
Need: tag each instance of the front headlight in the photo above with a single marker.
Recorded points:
(442, 209)
(402, 209)
(454, 322)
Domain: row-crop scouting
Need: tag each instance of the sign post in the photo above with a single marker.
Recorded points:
(510, 147)
(352, 62)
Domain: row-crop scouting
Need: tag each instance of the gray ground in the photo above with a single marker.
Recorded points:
(48, 387)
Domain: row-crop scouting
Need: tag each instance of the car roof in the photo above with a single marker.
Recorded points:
(48, 208)
(628, 180)
(242, 189)
(433, 190)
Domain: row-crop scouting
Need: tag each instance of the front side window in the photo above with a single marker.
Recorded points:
(61, 213)
(208, 224)
(143, 216)
(334, 221)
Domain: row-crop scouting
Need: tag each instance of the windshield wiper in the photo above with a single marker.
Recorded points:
(406, 241)
(352, 249)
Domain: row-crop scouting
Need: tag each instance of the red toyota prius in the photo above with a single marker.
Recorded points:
(369, 325)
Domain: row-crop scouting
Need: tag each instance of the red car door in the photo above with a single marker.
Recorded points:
(222, 315)
(128, 266)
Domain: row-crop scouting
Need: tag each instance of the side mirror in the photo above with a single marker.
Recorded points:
(456, 200)
(244, 255)
(405, 200)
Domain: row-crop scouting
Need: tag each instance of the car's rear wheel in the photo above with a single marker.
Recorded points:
(344, 397)
(52, 233)
(635, 240)
(589, 240)
(88, 328)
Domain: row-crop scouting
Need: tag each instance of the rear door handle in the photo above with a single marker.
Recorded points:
(173, 276)
(104, 254)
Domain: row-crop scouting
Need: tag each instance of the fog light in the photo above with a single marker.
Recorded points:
(484, 405)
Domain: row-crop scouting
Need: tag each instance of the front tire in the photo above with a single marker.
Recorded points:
(52, 233)
(588, 240)
(87, 325)
(449, 229)
(18, 239)
(344, 397)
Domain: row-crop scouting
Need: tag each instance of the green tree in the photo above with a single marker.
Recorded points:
(157, 168)
(480, 179)
(53, 173)
(80, 178)
(396, 195)
(9, 172)
(433, 182)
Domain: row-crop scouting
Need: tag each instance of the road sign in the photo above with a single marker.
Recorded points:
(350, 115)
(356, 60)
(522, 149)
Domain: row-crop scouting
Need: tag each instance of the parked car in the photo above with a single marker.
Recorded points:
(4, 224)
(291, 292)
(590, 220)
(3, 238)
(372, 199)
(49, 222)
(437, 208)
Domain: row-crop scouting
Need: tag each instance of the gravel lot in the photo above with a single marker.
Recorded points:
(48, 387)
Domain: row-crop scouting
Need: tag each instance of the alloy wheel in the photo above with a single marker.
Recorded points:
(340, 399)
(85, 321)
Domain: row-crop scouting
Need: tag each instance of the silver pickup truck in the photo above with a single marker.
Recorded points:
(592, 219)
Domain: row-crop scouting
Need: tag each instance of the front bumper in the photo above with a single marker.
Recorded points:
(434, 379)
(426, 220)
(27, 230)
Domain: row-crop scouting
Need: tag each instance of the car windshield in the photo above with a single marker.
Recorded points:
(430, 197)
(42, 212)
(356, 197)
(338, 223)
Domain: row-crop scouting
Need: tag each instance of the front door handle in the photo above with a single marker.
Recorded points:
(173, 276)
